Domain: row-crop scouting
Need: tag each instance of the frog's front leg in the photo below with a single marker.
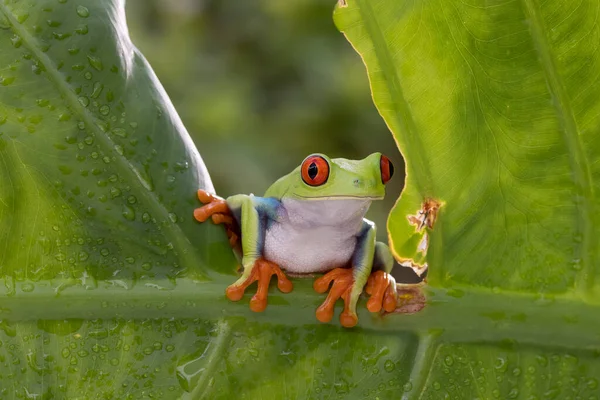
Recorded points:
(255, 213)
(348, 283)
(217, 209)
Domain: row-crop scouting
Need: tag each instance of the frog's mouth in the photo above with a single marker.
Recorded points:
(339, 197)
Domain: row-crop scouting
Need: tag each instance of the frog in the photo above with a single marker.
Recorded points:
(312, 221)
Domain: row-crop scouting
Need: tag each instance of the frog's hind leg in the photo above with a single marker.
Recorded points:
(381, 285)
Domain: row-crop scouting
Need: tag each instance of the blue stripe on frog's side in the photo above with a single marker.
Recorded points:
(262, 212)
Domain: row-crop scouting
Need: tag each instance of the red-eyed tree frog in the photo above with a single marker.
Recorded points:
(312, 221)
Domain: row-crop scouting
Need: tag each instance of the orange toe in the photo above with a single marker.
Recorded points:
(343, 281)
(222, 219)
(348, 320)
(390, 299)
(213, 206)
(262, 271)
(218, 207)
(235, 293)
(206, 197)
(382, 288)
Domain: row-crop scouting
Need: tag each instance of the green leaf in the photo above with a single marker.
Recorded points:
(495, 108)
(112, 290)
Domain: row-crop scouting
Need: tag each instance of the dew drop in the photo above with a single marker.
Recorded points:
(83, 12)
(146, 217)
(16, 41)
(61, 36)
(95, 62)
(173, 217)
(98, 87)
(84, 101)
(22, 17)
(27, 287)
(82, 29)
(389, 366)
(65, 353)
(115, 192)
(128, 213)
(119, 132)
(104, 110)
(7, 81)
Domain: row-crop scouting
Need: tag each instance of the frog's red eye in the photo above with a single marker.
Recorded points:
(315, 170)
(387, 169)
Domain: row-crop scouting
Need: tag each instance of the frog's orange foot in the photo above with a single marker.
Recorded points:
(217, 209)
(212, 205)
(382, 288)
(343, 281)
(262, 271)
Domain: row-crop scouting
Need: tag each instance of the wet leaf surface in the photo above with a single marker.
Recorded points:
(112, 290)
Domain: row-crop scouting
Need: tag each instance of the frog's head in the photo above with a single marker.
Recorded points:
(320, 177)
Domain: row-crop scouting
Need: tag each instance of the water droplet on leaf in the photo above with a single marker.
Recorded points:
(83, 12)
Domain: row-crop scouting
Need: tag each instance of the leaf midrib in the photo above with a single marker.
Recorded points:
(413, 144)
(477, 315)
(171, 230)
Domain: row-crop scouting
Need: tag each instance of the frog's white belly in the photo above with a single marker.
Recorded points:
(316, 235)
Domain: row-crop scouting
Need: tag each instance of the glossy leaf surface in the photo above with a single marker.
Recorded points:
(495, 108)
(111, 290)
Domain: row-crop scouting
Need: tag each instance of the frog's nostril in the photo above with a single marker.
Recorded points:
(357, 182)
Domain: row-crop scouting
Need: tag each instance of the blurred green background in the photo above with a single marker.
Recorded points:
(260, 84)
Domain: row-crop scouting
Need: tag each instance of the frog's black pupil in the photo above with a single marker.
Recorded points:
(391, 169)
(313, 170)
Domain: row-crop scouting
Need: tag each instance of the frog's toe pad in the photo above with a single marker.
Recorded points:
(348, 319)
(212, 205)
(343, 281)
(262, 271)
(382, 288)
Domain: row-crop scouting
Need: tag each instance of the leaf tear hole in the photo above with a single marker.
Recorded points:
(426, 216)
